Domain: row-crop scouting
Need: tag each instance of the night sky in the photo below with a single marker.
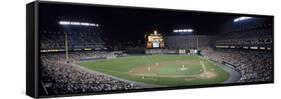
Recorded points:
(131, 24)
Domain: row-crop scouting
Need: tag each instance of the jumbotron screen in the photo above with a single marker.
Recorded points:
(93, 49)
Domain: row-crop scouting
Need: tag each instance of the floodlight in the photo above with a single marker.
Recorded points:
(189, 30)
(64, 22)
(78, 23)
(183, 30)
(241, 18)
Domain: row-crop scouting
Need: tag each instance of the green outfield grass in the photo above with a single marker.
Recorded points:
(163, 70)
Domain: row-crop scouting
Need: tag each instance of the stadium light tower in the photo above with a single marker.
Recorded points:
(73, 23)
(66, 47)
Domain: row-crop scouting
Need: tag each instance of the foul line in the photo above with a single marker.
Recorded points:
(203, 67)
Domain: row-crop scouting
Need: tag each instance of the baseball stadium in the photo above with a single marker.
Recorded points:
(91, 49)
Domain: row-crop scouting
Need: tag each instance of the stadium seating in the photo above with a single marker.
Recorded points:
(56, 40)
(59, 77)
(255, 65)
(187, 41)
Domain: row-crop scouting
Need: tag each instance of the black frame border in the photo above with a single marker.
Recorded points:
(36, 52)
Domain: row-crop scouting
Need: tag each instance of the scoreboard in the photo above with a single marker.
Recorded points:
(155, 40)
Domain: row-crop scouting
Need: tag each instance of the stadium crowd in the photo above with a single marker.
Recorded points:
(59, 77)
(56, 40)
(249, 37)
(248, 49)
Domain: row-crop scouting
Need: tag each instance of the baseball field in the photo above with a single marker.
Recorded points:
(161, 70)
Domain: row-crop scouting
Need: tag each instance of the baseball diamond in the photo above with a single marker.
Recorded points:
(163, 70)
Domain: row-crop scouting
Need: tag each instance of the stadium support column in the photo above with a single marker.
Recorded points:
(197, 43)
(66, 48)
